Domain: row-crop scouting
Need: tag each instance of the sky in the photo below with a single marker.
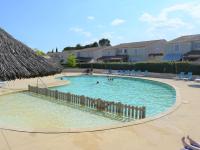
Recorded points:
(47, 24)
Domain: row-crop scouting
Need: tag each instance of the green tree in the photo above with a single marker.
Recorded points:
(95, 44)
(78, 46)
(39, 52)
(71, 60)
(104, 42)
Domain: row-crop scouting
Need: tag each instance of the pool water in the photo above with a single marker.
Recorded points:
(155, 96)
(22, 111)
(28, 112)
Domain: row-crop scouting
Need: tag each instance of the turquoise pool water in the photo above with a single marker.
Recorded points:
(156, 96)
(22, 111)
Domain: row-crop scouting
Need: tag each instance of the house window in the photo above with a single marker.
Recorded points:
(125, 51)
(119, 51)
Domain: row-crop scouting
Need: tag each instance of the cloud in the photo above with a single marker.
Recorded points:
(117, 22)
(90, 17)
(81, 31)
(178, 16)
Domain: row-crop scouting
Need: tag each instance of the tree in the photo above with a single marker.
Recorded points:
(71, 60)
(39, 52)
(78, 46)
(95, 44)
(52, 51)
(104, 42)
(56, 49)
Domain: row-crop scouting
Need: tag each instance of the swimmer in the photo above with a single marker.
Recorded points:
(108, 78)
(97, 82)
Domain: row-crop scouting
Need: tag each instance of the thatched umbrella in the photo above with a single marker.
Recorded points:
(19, 61)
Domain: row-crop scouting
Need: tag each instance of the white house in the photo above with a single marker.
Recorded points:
(138, 51)
(177, 48)
(187, 47)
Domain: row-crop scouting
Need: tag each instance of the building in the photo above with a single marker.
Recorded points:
(83, 55)
(135, 52)
(184, 47)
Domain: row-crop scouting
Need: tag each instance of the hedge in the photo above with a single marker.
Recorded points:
(162, 67)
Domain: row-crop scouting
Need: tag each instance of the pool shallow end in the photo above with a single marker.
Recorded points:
(137, 122)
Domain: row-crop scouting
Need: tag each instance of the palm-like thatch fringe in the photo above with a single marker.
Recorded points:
(19, 61)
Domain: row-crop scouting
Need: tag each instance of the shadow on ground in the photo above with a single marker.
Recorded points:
(194, 85)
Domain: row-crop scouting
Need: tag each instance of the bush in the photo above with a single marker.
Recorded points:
(71, 61)
(162, 67)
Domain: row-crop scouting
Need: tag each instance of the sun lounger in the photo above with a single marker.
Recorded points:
(188, 77)
(138, 73)
(180, 76)
(132, 73)
(146, 73)
(197, 80)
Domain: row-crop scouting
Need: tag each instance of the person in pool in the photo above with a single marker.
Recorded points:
(97, 82)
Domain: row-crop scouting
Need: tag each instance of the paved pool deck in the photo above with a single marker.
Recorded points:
(161, 134)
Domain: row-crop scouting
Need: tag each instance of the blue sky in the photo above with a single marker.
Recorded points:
(47, 24)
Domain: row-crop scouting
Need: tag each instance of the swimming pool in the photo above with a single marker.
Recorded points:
(157, 97)
(27, 112)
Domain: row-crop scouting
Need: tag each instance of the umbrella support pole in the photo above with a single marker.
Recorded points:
(39, 79)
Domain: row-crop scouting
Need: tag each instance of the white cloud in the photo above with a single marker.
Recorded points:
(81, 31)
(117, 22)
(170, 19)
(90, 17)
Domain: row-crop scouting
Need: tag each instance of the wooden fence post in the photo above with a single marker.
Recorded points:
(144, 112)
(119, 109)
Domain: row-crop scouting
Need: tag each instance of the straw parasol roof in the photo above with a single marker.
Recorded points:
(19, 61)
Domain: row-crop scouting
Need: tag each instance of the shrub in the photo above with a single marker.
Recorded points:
(71, 61)
(162, 67)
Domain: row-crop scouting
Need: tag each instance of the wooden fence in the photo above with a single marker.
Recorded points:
(113, 109)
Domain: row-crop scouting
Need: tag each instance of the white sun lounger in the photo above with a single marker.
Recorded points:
(188, 77)
(197, 80)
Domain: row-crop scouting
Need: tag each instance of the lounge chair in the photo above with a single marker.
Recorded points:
(132, 73)
(129, 72)
(188, 77)
(114, 72)
(125, 72)
(180, 76)
(119, 72)
(138, 73)
(197, 80)
(146, 73)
